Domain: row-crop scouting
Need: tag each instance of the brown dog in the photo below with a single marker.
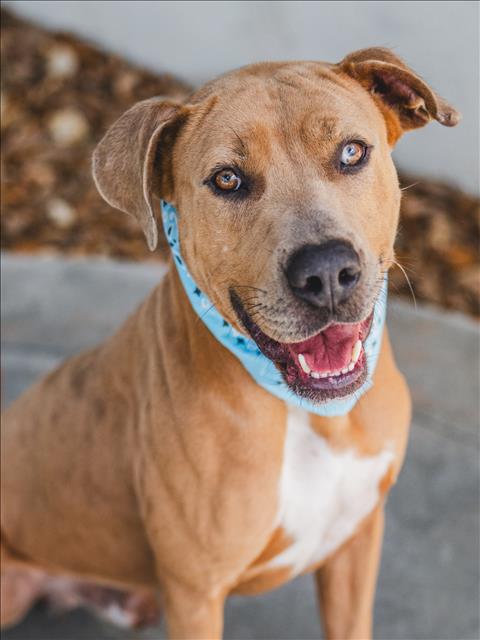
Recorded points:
(154, 463)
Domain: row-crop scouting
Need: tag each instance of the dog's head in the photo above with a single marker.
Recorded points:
(287, 196)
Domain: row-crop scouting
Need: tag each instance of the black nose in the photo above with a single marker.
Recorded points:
(324, 275)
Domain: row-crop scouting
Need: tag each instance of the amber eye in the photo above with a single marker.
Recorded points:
(227, 180)
(352, 154)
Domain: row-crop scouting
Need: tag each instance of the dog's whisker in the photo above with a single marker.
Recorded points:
(410, 286)
(409, 186)
(199, 318)
(249, 286)
(254, 297)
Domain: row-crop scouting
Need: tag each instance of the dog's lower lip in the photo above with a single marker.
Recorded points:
(302, 369)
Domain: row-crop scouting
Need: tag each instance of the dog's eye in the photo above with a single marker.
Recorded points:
(227, 180)
(353, 153)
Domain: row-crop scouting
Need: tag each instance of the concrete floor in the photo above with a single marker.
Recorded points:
(429, 579)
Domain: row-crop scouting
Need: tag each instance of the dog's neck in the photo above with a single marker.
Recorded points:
(260, 368)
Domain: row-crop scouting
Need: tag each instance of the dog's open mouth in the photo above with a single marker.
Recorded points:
(330, 364)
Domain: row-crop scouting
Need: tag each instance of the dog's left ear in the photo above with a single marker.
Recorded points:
(132, 163)
(405, 100)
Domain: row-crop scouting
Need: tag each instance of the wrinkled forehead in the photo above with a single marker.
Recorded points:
(256, 112)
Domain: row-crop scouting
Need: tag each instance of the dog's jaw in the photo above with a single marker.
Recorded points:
(331, 364)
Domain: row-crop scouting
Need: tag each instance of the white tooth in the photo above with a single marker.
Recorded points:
(357, 348)
(315, 375)
(350, 366)
(324, 375)
(345, 370)
(303, 363)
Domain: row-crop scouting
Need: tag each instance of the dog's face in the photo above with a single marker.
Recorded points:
(288, 201)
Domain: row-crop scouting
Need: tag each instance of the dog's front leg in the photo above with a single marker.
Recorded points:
(191, 615)
(346, 583)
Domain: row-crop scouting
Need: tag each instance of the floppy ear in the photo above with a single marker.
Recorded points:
(131, 164)
(405, 100)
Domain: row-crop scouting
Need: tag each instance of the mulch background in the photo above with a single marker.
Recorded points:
(59, 95)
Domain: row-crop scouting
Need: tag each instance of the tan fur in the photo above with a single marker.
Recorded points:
(153, 461)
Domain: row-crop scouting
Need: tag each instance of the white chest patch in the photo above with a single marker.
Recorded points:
(324, 494)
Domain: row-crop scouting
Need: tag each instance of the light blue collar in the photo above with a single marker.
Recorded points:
(262, 370)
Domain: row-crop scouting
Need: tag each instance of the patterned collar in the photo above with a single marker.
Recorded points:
(262, 370)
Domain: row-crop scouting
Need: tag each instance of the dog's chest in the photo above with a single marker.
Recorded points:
(324, 494)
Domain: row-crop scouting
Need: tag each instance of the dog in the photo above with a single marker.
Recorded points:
(161, 468)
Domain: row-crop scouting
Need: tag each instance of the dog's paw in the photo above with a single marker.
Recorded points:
(127, 609)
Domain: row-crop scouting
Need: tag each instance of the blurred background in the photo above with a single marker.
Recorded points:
(60, 93)
(73, 268)
(199, 40)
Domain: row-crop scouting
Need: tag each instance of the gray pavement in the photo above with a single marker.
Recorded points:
(429, 579)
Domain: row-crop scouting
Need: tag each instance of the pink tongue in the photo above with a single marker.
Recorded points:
(330, 350)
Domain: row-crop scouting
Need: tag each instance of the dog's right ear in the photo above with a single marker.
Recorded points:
(405, 100)
(132, 162)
